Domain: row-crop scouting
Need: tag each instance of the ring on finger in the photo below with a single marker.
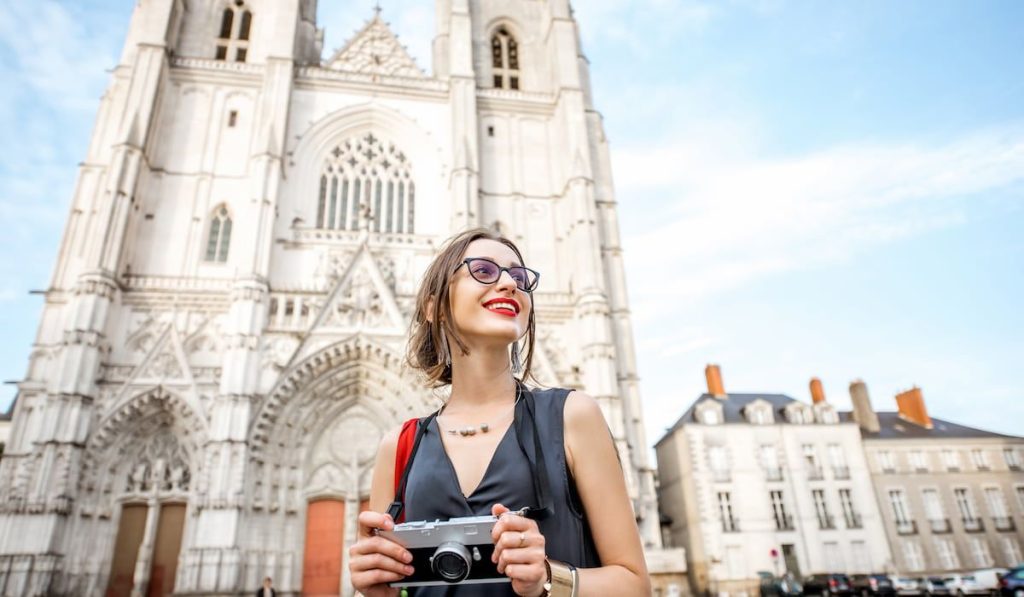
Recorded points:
(522, 539)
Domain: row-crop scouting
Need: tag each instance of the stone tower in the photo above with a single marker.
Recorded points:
(221, 344)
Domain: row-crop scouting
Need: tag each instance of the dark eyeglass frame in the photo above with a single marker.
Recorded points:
(468, 262)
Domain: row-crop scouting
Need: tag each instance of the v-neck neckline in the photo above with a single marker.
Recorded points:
(487, 471)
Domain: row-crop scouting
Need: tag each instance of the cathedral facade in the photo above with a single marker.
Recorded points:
(221, 345)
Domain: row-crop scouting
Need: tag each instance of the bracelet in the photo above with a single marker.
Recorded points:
(562, 579)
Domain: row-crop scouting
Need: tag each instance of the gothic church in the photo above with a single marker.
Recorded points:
(221, 345)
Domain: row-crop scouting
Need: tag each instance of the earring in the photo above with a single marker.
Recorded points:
(445, 351)
(517, 364)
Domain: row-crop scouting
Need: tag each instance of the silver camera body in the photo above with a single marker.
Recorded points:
(456, 551)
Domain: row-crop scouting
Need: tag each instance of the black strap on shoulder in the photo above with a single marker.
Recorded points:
(541, 481)
(398, 506)
(538, 468)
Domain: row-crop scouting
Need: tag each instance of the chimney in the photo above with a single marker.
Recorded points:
(863, 413)
(911, 405)
(714, 375)
(817, 391)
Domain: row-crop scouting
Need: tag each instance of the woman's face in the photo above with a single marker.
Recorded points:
(489, 313)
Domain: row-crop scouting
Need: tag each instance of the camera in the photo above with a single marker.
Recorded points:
(457, 551)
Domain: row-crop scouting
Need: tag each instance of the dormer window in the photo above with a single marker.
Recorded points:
(759, 412)
(235, 24)
(825, 413)
(709, 413)
(505, 59)
(798, 414)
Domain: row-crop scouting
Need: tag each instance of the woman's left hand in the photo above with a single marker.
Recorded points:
(519, 551)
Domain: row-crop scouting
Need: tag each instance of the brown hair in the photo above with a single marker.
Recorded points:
(428, 349)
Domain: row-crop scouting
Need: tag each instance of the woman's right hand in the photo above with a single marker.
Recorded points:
(375, 561)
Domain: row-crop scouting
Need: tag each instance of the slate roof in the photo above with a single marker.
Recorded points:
(892, 426)
(732, 408)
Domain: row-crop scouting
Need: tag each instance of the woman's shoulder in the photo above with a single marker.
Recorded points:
(389, 441)
(577, 406)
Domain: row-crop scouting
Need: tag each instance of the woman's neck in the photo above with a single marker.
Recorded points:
(480, 379)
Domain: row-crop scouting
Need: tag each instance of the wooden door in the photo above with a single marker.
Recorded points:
(130, 529)
(325, 535)
(166, 550)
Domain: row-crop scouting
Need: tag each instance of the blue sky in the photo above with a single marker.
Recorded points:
(805, 188)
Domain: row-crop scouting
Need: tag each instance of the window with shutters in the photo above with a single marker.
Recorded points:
(913, 555)
(947, 554)
(729, 522)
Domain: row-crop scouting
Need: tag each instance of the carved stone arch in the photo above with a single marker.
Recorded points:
(511, 24)
(345, 440)
(237, 93)
(430, 169)
(355, 368)
(127, 434)
(110, 427)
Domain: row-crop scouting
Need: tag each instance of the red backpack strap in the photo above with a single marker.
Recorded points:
(405, 442)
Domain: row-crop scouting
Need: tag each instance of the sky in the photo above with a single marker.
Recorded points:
(804, 188)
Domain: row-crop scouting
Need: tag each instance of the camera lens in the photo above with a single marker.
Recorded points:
(451, 562)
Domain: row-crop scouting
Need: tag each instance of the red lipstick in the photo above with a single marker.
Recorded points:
(503, 306)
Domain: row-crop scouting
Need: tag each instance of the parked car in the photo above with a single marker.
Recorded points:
(980, 582)
(872, 584)
(775, 586)
(988, 578)
(906, 585)
(828, 584)
(1012, 583)
(934, 585)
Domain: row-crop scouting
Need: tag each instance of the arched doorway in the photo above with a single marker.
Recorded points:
(137, 481)
(152, 517)
(337, 489)
(313, 444)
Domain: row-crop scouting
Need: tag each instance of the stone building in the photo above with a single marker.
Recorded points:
(5, 431)
(752, 482)
(221, 344)
(952, 497)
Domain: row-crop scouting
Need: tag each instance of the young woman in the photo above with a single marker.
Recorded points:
(474, 318)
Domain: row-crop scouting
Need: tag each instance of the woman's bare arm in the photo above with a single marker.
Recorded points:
(591, 456)
(374, 561)
(382, 488)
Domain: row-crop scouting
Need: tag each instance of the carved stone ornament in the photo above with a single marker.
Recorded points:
(375, 50)
(359, 305)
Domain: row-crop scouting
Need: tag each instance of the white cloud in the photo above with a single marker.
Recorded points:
(641, 25)
(727, 219)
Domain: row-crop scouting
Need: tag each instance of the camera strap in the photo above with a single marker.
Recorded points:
(538, 467)
(397, 507)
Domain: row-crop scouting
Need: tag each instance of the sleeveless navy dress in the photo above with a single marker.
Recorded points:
(433, 491)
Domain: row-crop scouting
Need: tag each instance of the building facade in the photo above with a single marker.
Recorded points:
(952, 497)
(763, 482)
(221, 345)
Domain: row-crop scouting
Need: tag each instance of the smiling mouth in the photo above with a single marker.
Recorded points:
(502, 308)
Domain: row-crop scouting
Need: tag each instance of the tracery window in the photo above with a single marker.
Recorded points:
(219, 239)
(505, 59)
(233, 40)
(367, 181)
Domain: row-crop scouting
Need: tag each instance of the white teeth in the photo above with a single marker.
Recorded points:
(505, 306)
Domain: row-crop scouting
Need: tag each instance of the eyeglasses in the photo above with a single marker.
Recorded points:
(485, 271)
